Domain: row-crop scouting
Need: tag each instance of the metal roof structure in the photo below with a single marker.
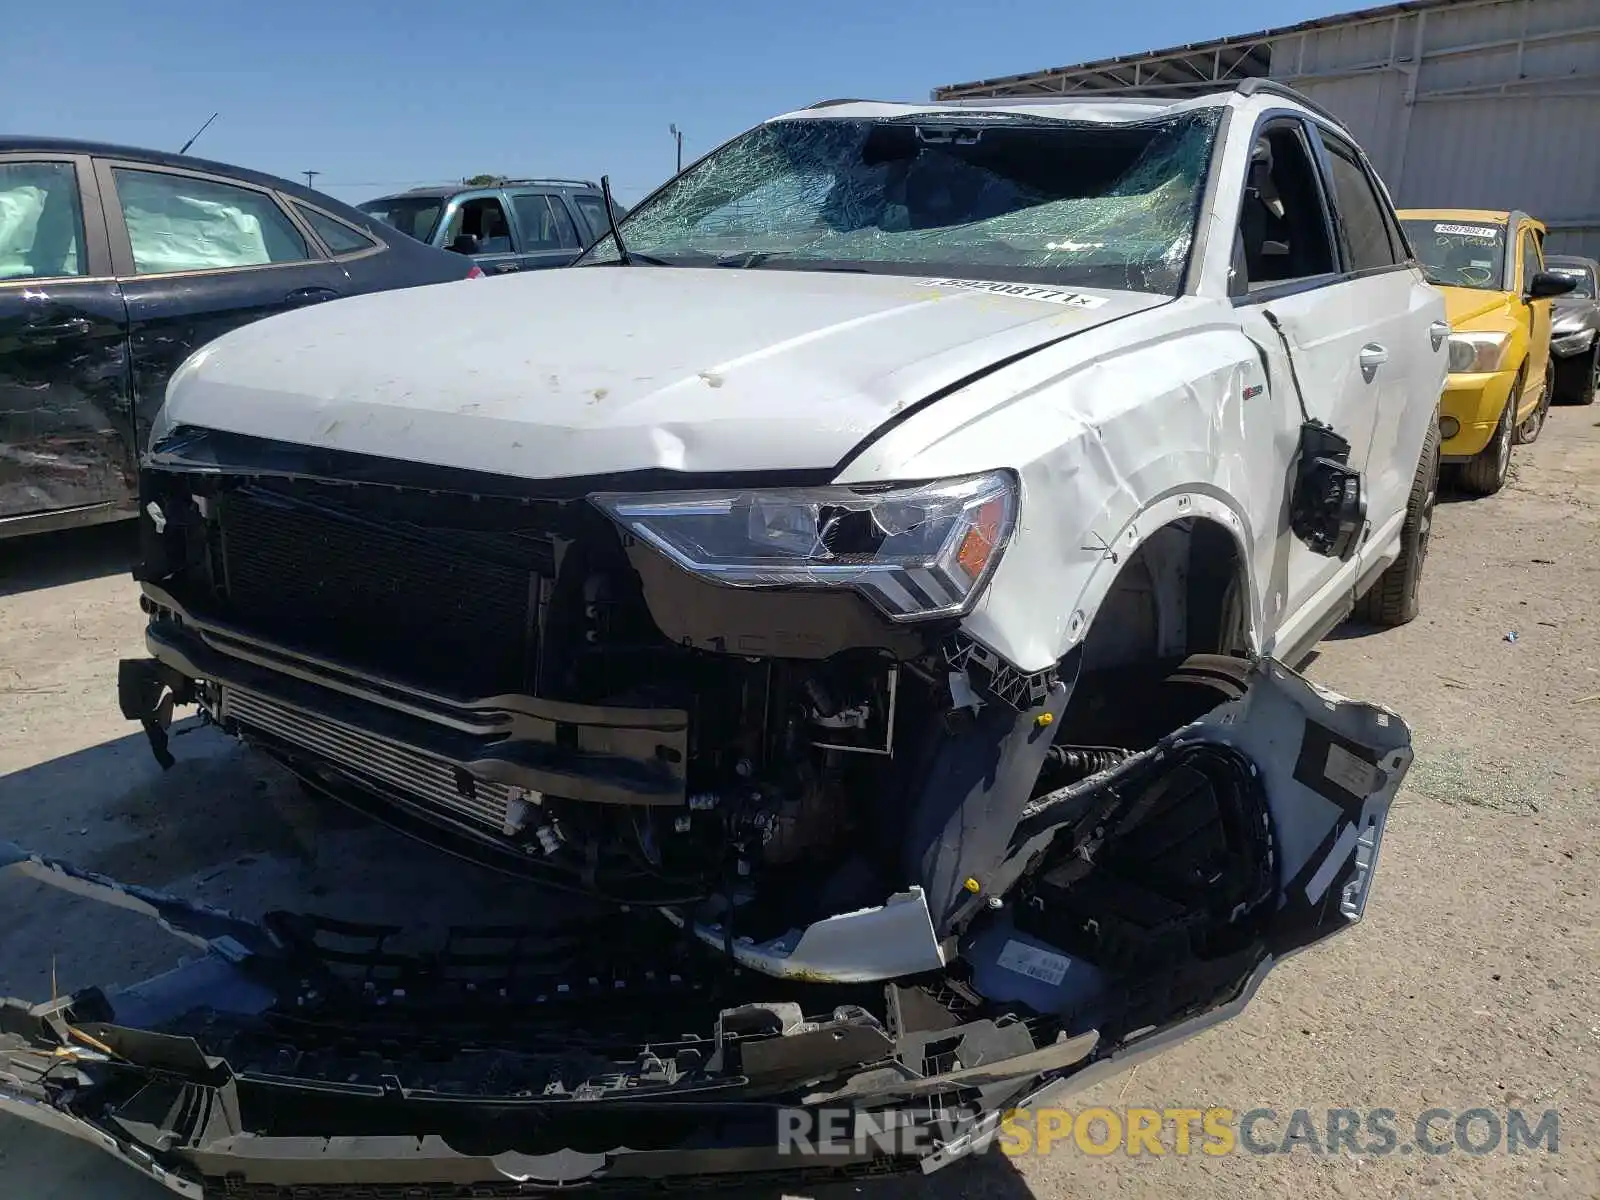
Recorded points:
(1177, 70)
(1491, 104)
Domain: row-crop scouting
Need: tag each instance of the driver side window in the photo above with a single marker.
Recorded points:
(484, 219)
(1283, 233)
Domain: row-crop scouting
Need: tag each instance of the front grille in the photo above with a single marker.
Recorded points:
(450, 610)
(417, 774)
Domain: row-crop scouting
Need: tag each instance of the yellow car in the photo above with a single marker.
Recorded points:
(1490, 267)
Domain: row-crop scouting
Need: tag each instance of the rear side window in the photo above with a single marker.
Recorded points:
(594, 212)
(413, 216)
(335, 234)
(1360, 210)
(544, 223)
(41, 221)
(179, 223)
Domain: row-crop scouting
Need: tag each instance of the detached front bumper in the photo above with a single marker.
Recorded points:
(1473, 403)
(299, 1056)
(303, 1056)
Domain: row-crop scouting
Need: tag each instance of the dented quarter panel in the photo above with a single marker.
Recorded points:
(600, 370)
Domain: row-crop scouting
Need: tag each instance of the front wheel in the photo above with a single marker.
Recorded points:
(1577, 378)
(1485, 473)
(1397, 595)
(1528, 432)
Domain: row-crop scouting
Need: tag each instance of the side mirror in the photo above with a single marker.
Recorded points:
(1547, 284)
(465, 243)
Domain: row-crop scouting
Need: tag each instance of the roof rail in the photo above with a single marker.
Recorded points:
(1245, 87)
(588, 183)
(1272, 87)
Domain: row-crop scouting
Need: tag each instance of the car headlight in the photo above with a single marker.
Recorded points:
(914, 550)
(1477, 352)
(1572, 343)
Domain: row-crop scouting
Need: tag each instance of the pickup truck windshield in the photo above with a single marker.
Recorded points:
(413, 215)
(1460, 253)
(981, 195)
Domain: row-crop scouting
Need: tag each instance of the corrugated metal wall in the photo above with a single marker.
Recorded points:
(1474, 105)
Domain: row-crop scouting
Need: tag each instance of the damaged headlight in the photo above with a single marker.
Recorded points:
(1476, 353)
(914, 550)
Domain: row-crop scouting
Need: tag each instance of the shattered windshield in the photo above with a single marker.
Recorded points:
(989, 196)
(1459, 253)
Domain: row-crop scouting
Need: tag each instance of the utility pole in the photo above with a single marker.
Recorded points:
(677, 135)
(310, 175)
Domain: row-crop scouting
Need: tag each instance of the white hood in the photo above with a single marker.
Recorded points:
(596, 370)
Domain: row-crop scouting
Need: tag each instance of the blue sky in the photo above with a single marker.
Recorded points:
(378, 97)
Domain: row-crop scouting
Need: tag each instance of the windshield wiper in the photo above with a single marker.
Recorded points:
(755, 258)
(611, 216)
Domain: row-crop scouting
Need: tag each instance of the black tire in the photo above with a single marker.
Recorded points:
(1397, 595)
(1576, 377)
(1528, 432)
(1485, 473)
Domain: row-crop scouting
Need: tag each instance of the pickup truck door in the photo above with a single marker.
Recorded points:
(546, 235)
(1315, 328)
(197, 255)
(66, 438)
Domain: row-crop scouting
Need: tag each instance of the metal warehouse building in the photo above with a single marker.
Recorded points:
(1459, 103)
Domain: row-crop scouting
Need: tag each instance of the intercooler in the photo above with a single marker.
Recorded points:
(406, 769)
(452, 609)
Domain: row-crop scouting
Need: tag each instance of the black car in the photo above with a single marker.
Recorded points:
(115, 265)
(511, 225)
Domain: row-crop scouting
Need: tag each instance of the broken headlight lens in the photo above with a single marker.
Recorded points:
(914, 550)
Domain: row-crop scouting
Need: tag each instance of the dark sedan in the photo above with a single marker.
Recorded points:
(1575, 330)
(115, 265)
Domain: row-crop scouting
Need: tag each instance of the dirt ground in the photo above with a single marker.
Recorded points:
(1473, 982)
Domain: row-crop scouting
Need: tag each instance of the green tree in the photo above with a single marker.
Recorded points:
(483, 180)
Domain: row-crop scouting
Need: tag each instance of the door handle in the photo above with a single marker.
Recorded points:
(1437, 332)
(1372, 357)
(309, 295)
(505, 268)
(50, 331)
